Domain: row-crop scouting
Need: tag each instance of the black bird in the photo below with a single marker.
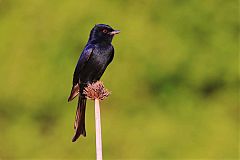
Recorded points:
(95, 58)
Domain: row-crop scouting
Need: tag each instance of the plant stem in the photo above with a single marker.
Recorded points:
(98, 130)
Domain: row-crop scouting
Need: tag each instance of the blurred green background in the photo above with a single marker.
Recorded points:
(174, 79)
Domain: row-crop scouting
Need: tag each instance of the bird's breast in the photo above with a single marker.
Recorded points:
(99, 60)
(96, 64)
(101, 55)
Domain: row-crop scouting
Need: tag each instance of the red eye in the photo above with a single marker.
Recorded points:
(104, 31)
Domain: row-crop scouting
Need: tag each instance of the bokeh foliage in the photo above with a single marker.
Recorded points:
(174, 79)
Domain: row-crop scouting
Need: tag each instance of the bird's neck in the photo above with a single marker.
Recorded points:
(99, 41)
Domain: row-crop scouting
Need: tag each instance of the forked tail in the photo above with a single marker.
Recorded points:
(79, 124)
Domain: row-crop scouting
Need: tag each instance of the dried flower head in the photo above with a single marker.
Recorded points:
(96, 91)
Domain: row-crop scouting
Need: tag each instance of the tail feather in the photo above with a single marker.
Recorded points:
(79, 124)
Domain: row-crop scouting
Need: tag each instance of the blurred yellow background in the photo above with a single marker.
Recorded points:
(174, 79)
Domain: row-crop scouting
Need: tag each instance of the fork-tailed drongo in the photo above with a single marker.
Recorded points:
(95, 58)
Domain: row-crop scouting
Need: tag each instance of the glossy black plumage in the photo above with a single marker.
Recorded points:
(96, 56)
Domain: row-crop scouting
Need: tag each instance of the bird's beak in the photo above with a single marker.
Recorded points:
(114, 32)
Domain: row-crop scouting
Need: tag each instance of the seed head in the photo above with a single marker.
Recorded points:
(96, 91)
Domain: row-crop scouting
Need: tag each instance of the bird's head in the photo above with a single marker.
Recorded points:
(102, 33)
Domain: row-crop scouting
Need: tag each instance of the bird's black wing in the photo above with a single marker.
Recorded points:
(83, 59)
(86, 54)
